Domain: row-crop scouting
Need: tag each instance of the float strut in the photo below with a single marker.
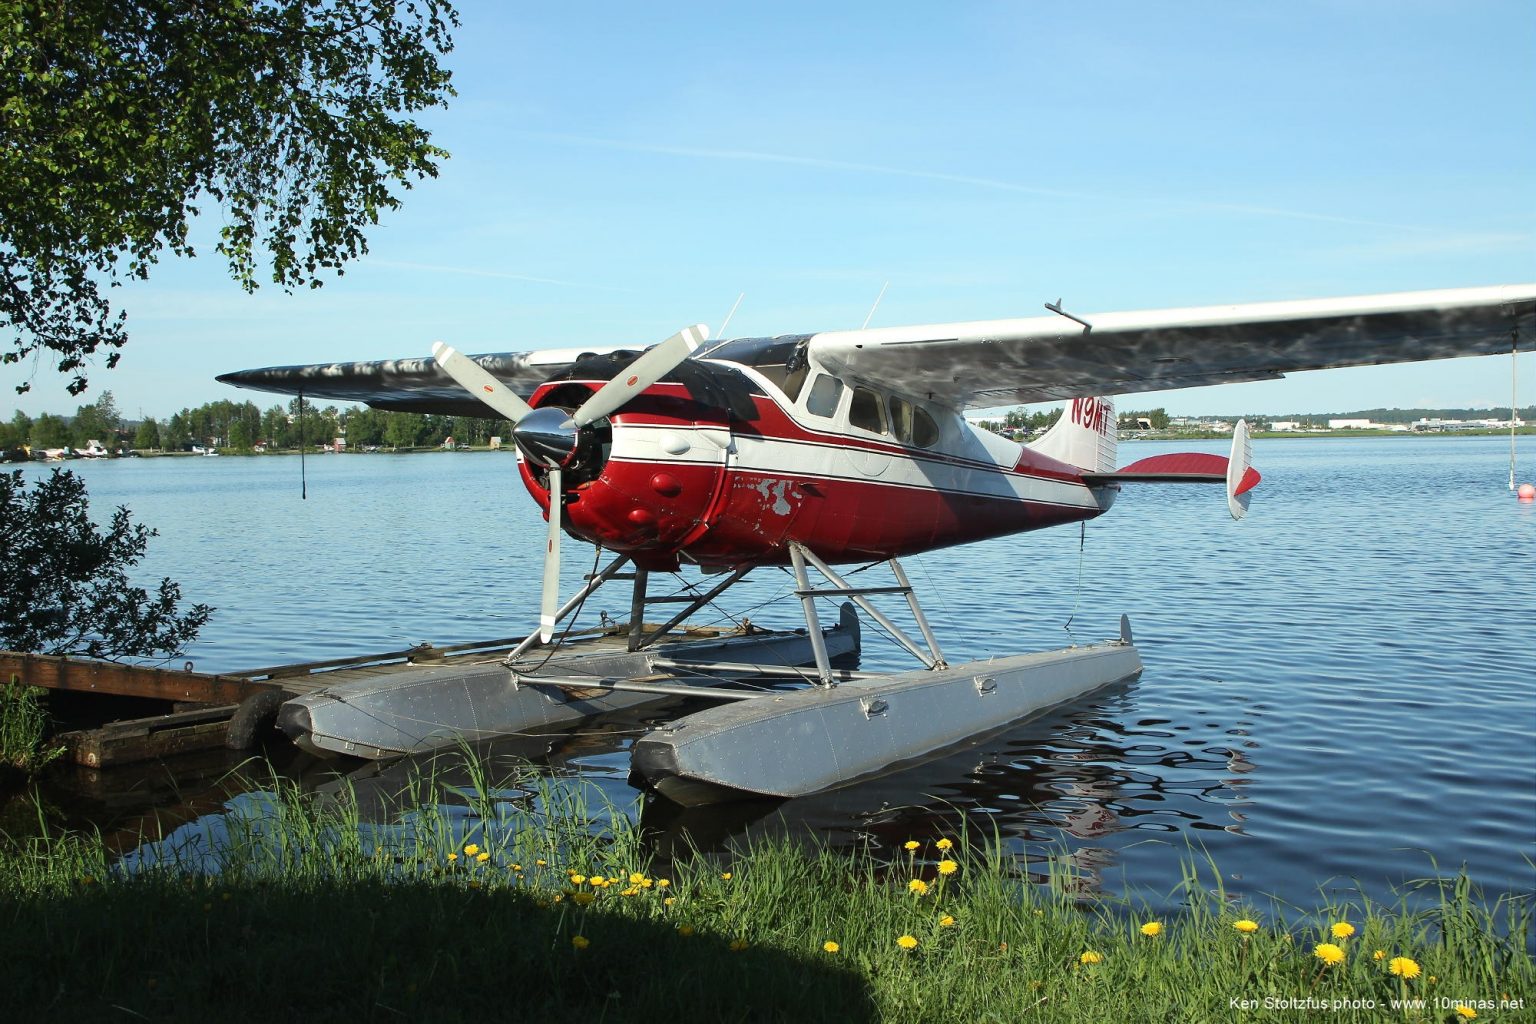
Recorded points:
(812, 623)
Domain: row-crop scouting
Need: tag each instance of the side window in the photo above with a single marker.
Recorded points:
(867, 412)
(824, 396)
(925, 432)
(901, 419)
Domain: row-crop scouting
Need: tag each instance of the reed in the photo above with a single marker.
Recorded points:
(523, 900)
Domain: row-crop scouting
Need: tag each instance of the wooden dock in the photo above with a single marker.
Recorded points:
(204, 706)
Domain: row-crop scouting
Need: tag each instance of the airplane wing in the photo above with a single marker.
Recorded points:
(410, 385)
(988, 363)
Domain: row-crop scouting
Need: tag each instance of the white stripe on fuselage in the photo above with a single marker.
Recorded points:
(831, 459)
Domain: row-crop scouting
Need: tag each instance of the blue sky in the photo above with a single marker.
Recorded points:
(620, 170)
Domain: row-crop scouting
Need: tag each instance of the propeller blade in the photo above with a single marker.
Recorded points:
(551, 600)
(646, 370)
(472, 377)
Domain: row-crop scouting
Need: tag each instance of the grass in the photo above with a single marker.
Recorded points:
(24, 726)
(521, 904)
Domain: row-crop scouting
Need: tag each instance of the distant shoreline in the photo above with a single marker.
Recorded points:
(1159, 436)
(1268, 435)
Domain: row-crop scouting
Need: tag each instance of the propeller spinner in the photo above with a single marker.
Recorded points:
(549, 437)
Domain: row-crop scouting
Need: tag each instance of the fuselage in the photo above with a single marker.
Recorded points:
(735, 455)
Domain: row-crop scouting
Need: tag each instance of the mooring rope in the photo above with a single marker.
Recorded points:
(1082, 542)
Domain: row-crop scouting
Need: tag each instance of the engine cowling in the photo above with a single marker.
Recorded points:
(647, 480)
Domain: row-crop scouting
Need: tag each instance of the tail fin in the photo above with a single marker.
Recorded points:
(1084, 436)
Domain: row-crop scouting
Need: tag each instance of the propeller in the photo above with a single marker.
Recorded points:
(549, 437)
(550, 600)
(473, 378)
(653, 364)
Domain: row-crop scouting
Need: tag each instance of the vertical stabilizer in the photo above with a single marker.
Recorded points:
(1084, 436)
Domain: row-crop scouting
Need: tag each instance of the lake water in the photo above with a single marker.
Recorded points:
(1339, 690)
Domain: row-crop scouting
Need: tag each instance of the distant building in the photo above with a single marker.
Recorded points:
(1285, 425)
(1352, 425)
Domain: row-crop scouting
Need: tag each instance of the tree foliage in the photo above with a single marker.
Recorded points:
(120, 118)
(66, 584)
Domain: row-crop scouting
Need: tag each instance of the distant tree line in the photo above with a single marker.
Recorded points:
(243, 426)
(1018, 421)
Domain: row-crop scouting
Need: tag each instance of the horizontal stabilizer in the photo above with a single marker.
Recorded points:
(1236, 472)
(1178, 468)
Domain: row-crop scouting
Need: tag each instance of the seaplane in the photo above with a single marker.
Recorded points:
(810, 452)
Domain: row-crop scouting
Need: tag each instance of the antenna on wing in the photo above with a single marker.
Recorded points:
(721, 332)
(1055, 307)
(876, 306)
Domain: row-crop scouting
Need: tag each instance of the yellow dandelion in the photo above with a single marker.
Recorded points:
(1466, 1013)
(910, 845)
(948, 867)
(946, 921)
(471, 850)
(581, 899)
(635, 878)
(945, 844)
(453, 856)
(918, 886)
(669, 901)
(1403, 967)
(1246, 926)
(1328, 953)
(580, 941)
(907, 942)
(737, 945)
(515, 867)
(542, 863)
(1152, 929)
(662, 883)
(1342, 930)
(830, 947)
(482, 857)
(578, 879)
(1380, 954)
(646, 883)
(685, 930)
(725, 875)
(633, 890)
(1090, 957)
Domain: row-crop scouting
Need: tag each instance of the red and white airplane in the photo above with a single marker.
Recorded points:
(852, 446)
